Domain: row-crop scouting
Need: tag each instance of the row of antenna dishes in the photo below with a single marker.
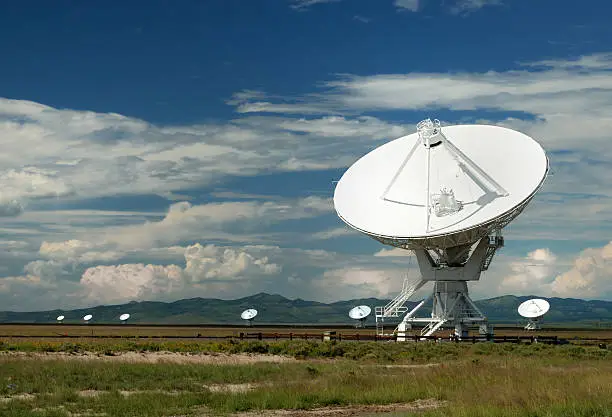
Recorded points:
(533, 309)
(123, 318)
(359, 313)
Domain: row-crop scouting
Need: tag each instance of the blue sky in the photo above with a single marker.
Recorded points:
(160, 150)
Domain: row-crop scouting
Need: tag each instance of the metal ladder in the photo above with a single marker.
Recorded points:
(495, 242)
(395, 308)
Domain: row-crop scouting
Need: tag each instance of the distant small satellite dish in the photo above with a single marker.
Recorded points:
(59, 318)
(536, 307)
(87, 317)
(533, 310)
(360, 313)
(248, 315)
(124, 317)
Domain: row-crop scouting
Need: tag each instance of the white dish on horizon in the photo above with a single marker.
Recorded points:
(533, 308)
(248, 314)
(360, 312)
(87, 317)
(60, 318)
(388, 193)
(124, 317)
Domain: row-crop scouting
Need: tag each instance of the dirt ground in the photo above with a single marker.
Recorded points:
(419, 405)
(157, 357)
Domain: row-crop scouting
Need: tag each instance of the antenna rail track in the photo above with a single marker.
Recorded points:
(311, 333)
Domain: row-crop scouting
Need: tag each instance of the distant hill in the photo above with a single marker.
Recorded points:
(274, 308)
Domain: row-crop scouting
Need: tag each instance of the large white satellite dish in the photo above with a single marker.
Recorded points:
(533, 310)
(87, 317)
(60, 318)
(445, 193)
(124, 317)
(360, 313)
(248, 315)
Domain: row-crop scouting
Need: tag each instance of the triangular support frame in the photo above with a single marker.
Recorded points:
(431, 135)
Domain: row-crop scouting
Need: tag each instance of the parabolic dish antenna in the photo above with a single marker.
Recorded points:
(536, 307)
(441, 186)
(533, 310)
(60, 318)
(87, 317)
(248, 314)
(124, 317)
(360, 313)
(445, 193)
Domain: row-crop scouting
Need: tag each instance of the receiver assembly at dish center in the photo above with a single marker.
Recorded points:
(444, 193)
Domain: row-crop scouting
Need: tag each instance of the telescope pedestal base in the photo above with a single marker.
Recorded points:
(533, 324)
(450, 270)
(451, 305)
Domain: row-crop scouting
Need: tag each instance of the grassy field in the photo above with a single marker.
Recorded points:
(134, 378)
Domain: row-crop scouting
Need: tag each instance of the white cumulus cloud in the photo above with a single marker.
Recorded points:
(203, 265)
(590, 276)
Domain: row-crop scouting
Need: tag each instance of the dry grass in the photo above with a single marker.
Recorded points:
(428, 379)
(160, 379)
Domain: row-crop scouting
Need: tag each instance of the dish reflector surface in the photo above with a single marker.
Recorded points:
(467, 176)
(248, 314)
(360, 312)
(59, 318)
(124, 317)
(533, 308)
(87, 317)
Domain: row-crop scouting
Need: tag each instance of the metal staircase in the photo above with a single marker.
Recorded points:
(396, 308)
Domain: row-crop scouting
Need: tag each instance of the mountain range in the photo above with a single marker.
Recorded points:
(276, 309)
